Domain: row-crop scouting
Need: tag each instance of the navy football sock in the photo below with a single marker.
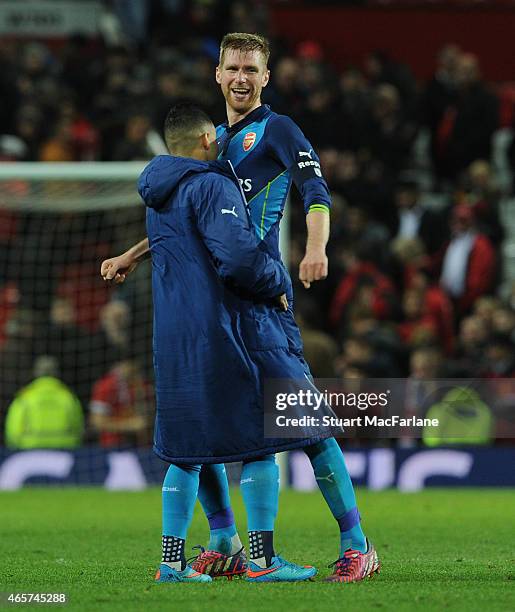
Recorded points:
(173, 552)
(213, 495)
(260, 491)
(179, 493)
(335, 483)
(261, 545)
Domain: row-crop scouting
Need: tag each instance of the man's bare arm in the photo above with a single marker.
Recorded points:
(314, 266)
(118, 268)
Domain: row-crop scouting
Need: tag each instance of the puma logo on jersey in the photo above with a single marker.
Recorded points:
(226, 211)
(306, 153)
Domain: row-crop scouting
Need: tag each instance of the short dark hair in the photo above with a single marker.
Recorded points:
(182, 124)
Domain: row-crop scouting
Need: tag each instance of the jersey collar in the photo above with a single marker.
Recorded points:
(256, 115)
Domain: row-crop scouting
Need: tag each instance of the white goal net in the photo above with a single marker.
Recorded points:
(57, 316)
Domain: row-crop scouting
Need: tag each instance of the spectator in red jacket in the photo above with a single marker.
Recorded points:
(437, 305)
(121, 406)
(419, 327)
(468, 267)
(367, 284)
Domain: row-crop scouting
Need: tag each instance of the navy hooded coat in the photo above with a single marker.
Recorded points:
(217, 331)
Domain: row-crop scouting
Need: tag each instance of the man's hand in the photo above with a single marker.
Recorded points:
(282, 302)
(313, 267)
(118, 268)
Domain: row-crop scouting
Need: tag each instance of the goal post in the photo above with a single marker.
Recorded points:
(69, 186)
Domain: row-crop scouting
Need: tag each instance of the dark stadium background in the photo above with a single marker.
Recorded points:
(404, 101)
(407, 102)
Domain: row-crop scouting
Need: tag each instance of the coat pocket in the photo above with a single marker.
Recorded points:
(265, 331)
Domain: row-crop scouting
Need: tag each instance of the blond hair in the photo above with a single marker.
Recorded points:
(245, 43)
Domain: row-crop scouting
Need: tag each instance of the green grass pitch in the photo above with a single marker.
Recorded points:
(441, 550)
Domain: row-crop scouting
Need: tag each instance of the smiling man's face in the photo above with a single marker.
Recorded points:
(242, 75)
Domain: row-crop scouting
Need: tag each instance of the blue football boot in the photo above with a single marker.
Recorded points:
(279, 571)
(165, 573)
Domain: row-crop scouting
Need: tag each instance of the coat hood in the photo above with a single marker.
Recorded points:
(164, 173)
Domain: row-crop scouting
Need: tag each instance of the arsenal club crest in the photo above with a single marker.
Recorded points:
(248, 140)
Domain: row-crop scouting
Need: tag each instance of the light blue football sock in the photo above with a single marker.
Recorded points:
(336, 485)
(179, 493)
(213, 495)
(260, 491)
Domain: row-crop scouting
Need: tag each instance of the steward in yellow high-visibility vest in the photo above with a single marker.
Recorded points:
(44, 414)
(463, 418)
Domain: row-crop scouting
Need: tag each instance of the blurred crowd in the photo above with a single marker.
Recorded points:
(415, 253)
